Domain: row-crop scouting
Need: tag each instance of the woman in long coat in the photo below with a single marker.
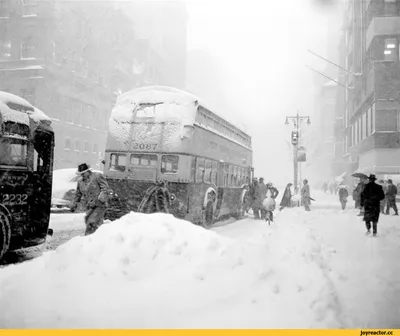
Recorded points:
(286, 198)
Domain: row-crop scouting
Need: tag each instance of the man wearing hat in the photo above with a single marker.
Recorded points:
(391, 193)
(93, 187)
(371, 198)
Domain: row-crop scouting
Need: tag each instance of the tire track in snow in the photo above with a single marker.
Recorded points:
(332, 297)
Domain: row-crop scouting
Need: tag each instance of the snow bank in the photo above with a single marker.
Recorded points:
(155, 271)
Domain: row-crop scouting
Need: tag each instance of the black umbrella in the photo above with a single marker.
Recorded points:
(359, 175)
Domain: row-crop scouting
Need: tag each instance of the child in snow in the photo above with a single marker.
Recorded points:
(343, 194)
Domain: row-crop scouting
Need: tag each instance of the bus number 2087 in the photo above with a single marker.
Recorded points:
(14, 199)
(144, 146)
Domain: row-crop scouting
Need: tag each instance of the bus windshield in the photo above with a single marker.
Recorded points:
(13, 152)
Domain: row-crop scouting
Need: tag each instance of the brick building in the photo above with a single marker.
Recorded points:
(70, 59)
(371, 103)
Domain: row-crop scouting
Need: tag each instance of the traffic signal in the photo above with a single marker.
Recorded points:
(295, 137)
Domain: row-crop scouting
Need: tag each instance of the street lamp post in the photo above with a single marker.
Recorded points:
(295, 142)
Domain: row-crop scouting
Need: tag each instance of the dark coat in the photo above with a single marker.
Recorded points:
(260, 191)
(94, 191)
(391, 193)
(286, 198)
(371, 197)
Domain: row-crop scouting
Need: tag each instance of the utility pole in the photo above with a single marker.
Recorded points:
(295, 142)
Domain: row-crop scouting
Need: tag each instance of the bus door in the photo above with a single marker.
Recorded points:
(43, 149)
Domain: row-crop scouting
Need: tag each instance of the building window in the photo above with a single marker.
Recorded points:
(57, 53)
(27, 48)
(95, 148)
(77, 146)
(86, 147)
(368, 121)
(67, 145)
(373, 118)
(5, 51)
(386, 121)
(4, 8)
(78, 113)
(391, 49)
(364, 126)
(29, 7)
(208, 171)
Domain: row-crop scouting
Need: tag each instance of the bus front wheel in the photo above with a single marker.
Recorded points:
(5, 231)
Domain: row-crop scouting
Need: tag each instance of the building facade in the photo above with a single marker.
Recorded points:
(70, 59)
(371, 102)
(162, 26)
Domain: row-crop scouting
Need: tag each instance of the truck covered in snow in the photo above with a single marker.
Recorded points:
(166, 151)
(26, 165)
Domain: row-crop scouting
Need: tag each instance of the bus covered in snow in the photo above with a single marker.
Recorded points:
(26, 165)
(167, 152)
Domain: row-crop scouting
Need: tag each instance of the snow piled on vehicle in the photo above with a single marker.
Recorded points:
(36, 115)
(156, 271)
(167, 110)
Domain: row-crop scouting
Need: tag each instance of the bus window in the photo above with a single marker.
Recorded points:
(42, 153)
(214, 173)
(169, 163)
(200, 170)
(118, 162)
(226, 174)
(208, 171)
(144, 160)
(13, 152)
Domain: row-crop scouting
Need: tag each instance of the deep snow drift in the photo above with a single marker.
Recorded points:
(155, 271)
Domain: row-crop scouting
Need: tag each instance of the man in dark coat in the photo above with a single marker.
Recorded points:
(371, 198)
(93, 188)
(286, 198)
(260, 193)
(391, 193)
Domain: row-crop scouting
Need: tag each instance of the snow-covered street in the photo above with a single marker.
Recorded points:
(307, 270)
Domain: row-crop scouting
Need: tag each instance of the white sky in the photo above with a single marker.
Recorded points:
(264, 45)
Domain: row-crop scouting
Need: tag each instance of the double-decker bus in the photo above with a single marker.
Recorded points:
(26, 165)
(167, 152)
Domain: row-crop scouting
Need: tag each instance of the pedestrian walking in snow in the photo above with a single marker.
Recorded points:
(391, 198)
(325, 187)
(260, 193)
(384, 201)
(357, 194)
(343, 194)
(286, 201)
(256, 211)
(371, 197)
(93, 187)
(305, 195)
(272, 190)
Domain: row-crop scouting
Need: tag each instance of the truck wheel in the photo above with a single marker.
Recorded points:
(5, 232)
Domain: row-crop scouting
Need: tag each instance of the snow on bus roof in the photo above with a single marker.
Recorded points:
(36, 115)
(158, 93)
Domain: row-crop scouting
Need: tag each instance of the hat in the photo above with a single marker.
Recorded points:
(372, 177)
(390, 181)
(83, 168)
